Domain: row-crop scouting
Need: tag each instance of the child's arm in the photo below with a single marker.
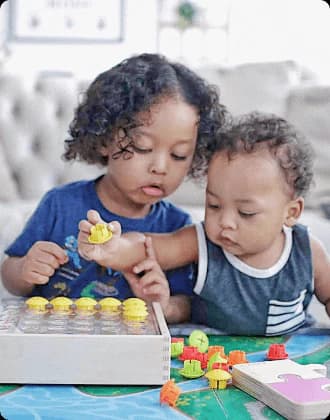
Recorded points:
(21, 274)
(321, 264)
(152, 286)
(123, 252)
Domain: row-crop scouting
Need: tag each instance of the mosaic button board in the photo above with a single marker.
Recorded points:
(91, 347)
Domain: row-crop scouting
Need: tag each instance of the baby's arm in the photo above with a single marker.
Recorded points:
(123, 252)
(151, 285)
(321, 264)
(21, 274)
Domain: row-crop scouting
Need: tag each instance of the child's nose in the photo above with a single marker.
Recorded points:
(159, 164)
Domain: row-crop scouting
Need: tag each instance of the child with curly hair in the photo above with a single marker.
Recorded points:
(148, 122)
(257, 267)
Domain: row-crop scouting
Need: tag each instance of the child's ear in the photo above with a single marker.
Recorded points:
(293, 211)
(104, 151)
(107, 150)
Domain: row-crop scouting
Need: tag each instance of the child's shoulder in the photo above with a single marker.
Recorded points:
(73, 187)
(172, 208)
(71, 191)
(172, 212)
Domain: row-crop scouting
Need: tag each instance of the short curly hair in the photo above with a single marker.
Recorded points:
(116, 96)
(293, 153)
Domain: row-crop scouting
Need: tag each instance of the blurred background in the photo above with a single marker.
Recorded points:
(269, 55)
(85, 37)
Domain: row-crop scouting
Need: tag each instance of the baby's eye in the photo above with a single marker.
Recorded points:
(246, 214)
(178, 157)
(213, 206)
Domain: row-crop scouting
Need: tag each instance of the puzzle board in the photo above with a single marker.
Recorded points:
(124, 353)
(296, 391)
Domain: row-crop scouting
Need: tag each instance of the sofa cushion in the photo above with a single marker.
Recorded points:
(309, 110)
(8, 189)
(255, 86)
(34, 121)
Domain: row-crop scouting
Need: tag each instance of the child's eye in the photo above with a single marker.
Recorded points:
(140, 149)
(177, 157)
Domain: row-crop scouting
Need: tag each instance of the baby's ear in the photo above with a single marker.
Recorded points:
(293, 211)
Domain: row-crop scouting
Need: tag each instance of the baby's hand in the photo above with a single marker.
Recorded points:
(41, 261)
(152, 285)
(102, 253)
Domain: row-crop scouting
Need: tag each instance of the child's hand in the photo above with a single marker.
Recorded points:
(152, 286)
(101, 253)
(41, 261)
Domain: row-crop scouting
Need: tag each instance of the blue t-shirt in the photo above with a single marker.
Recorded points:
(56, 220)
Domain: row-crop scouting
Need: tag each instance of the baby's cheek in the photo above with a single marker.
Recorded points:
(211, 229)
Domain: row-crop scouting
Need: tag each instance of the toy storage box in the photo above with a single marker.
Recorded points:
(87, 358)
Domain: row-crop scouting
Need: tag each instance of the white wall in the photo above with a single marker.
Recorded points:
(262, 30)
(86, 60)
(259, 30)
(239, 31)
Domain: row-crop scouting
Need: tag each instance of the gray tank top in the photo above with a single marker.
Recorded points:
(239, 299)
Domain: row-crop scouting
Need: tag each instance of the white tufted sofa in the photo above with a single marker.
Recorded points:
(35, 115)
(34, 118)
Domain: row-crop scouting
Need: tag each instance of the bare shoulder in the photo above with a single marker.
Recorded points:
(321, 268)
(319, 253)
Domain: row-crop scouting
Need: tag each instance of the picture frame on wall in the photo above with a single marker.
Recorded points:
(66, 21)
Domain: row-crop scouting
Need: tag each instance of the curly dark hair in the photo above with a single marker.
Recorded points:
(115, 97)
(291, 150)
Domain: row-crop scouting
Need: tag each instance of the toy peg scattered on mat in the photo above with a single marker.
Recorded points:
(169, 393)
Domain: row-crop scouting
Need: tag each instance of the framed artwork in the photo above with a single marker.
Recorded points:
(66, 21)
